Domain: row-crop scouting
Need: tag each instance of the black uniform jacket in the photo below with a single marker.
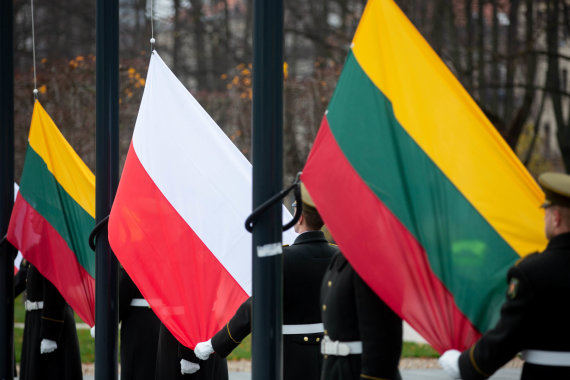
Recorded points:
(533, 317)
(20, 278)
(55, 322)
(353, 312)
(170, 352)
(139, 333)
(304, 263)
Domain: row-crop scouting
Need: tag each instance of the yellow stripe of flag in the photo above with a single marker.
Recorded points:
(61, 160)
(437, 112)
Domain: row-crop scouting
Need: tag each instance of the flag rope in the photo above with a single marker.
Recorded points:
(34, 50)
(152, 40)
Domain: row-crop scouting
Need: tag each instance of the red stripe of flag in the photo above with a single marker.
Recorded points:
(35, 237)
(139, 201)
(384, 237)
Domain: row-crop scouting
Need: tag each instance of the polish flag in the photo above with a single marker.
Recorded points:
(177, 222)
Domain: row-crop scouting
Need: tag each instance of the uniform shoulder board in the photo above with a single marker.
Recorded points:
(524, 257)
(513, 288)
(333, 244)
(285, 245)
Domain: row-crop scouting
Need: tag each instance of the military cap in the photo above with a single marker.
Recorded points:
(307, 200)
(556, 187)
(306, 197)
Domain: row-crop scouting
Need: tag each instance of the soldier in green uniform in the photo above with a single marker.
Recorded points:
(304, 263)
(534, 318)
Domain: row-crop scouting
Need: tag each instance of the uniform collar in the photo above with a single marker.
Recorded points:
(559, 241)
(310, 237)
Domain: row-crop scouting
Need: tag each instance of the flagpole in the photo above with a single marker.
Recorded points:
(6, 189)
(107, 178)
(267, 148)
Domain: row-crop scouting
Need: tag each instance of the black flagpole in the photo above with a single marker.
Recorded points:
(267, 147)
(107, 178)
(6, 189)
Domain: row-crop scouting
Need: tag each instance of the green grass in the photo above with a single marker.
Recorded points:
(19, 311)
(86, 345)
(86, 342)
(418, 350)
(243, 351)
(18, 335)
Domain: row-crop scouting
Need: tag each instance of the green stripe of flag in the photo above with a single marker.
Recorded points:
(464, 251)
(41, 190)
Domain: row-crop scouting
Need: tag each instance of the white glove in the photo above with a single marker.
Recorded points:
(449, 361)
(187, 368)
(204, 349)
(92, 331)
(47, 346)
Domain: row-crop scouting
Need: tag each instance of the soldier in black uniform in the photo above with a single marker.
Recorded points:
(534, 317)
(304, 263)
(363, 336)
(173, 358)
(20, 278)
(139, 332)
(19, 287)
(50, 349)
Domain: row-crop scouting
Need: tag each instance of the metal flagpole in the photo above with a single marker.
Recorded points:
(6, 189)
(107, 179)
(267, 149)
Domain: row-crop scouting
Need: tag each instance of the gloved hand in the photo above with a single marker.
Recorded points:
(187, 368)
(449, 361)
(92, 331)
(204, 349)
(47, 346)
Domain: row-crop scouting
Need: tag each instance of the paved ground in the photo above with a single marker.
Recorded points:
(408, 374)
(411, 369)
(415, 374)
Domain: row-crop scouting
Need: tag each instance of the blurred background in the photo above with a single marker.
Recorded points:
(512, 56)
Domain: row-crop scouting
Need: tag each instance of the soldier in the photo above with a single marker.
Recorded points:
(19, 287)
(139, 332)
(50, 349)
(304, 263)
(174, 361)
(534, 316)
(363, 336)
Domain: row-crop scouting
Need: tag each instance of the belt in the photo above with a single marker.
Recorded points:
(312, 328)
(139, 302)
(553, 358)
(330, 347)
(31, 305)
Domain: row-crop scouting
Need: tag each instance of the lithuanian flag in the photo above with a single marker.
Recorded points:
(54, 214)
(423, 196)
